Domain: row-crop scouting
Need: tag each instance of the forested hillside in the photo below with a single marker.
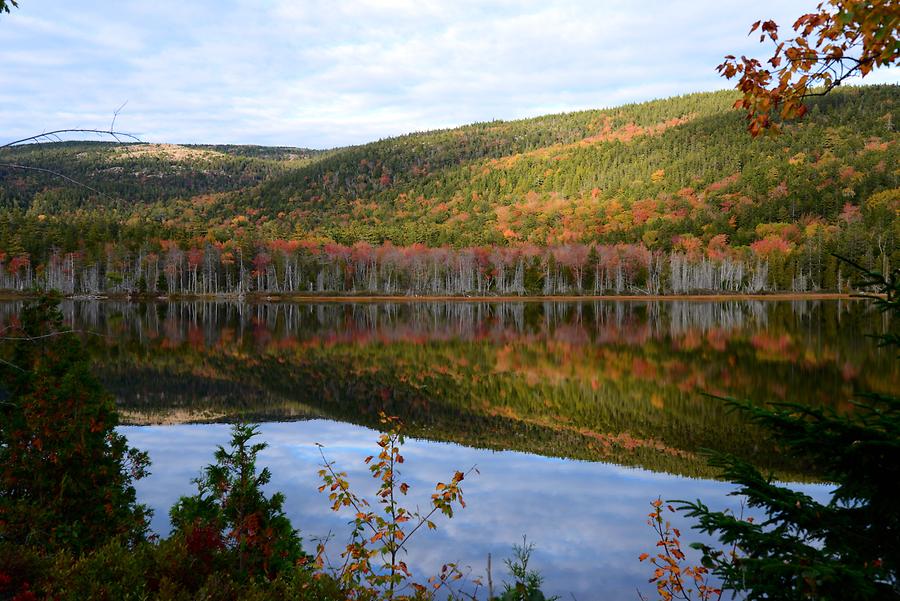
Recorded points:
(121, 175)
(665, 196)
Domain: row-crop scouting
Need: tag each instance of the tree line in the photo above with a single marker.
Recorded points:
(302, 267)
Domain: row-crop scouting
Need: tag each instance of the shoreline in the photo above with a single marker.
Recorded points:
(277, 297)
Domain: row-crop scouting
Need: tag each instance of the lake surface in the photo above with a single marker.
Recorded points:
(576, 414)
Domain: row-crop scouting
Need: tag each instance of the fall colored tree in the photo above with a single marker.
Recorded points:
(839, 40)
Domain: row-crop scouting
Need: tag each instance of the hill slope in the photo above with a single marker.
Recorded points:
(120, 175)
(667, 166)
(678, 175)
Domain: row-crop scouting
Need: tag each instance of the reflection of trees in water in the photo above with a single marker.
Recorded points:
(813, 331)
(592, 380)
(686, 315)
(604, 321)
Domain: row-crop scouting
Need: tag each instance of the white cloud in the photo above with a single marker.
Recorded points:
(321, 74)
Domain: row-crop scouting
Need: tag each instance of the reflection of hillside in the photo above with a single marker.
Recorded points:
(612, 420)
(162, 393)
(604, 380)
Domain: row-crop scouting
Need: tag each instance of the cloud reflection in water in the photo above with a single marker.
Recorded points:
(587, 520)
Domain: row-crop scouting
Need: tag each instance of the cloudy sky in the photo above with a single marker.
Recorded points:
(324, 73)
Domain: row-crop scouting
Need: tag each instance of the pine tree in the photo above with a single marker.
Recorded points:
(231, 507)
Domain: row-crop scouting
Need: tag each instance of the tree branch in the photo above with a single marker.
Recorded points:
(55, 132)
(57, 174)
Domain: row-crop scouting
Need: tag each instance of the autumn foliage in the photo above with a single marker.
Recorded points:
(65, 474)
(673, 575)
(840, 39)
(371, 564)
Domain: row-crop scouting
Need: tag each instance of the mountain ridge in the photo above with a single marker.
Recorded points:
(677, 176)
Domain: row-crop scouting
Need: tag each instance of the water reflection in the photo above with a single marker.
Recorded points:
(587, 519)
(598, 380)
(405, 321)
(614, 382)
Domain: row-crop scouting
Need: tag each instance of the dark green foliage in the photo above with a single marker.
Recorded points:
(65, 474)
(847, 548)
(161, 571)
(546, 170)
(230, 514)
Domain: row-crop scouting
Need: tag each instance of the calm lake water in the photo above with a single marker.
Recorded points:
(577, 415)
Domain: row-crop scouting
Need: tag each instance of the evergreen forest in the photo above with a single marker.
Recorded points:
(663, 197)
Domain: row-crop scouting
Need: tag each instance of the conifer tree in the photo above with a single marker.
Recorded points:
(844, 549)
(66, 475)
(231, 507)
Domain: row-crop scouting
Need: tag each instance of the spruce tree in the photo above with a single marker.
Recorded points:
(845, 549)
(231, 507)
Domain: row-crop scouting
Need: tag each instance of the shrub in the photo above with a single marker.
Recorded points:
(371, 567)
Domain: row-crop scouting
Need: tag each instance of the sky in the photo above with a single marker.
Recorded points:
(326, 73)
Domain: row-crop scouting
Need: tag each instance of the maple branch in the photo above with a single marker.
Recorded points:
(842, 39)
(424, 520)
(350, 497)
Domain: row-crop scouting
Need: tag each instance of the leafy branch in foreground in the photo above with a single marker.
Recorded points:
(672, 577)
(841, 39)
(847, 548)
(371, 565)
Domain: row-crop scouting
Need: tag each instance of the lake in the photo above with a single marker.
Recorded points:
(576, 414)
